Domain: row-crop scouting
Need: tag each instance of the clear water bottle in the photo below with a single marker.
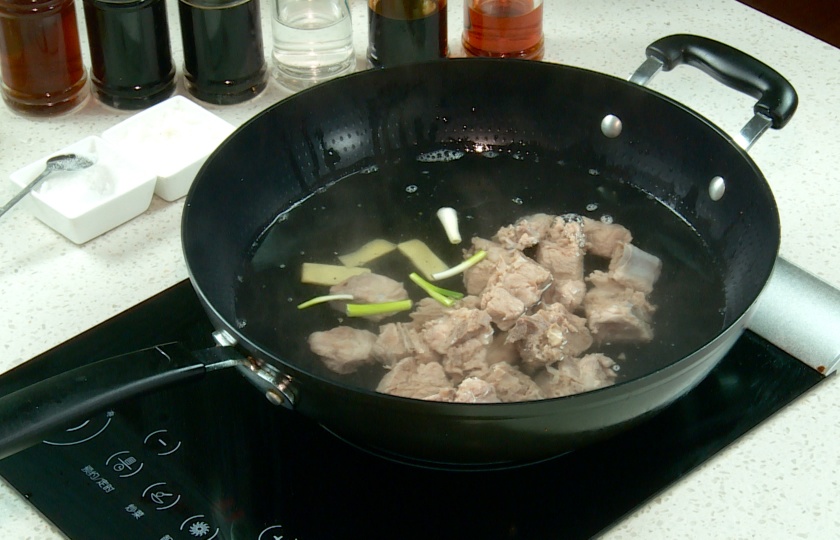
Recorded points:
(313, 41)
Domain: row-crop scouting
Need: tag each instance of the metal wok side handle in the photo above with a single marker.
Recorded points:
(777, 99)
(29, 414)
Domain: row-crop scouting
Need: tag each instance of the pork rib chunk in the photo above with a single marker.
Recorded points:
(513, 288)
(370, 288)
(411, 379)
(602, 238)
(343, 349)
(576, 375)
(400, 340)
(550, 335)
(562, 249)
(526, 232)
(615, 313)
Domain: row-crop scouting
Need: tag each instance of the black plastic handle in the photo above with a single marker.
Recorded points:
(777, 98)
(29, 414)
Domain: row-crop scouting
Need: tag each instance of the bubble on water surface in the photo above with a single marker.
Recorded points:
(606, 218)
(411, 189)
(591, 207)
(441, 156)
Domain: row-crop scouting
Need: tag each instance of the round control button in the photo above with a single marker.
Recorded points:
(198, 527)
(275, 532)
(161, 442)
(83, 431)
(124, 464)
(161, 496)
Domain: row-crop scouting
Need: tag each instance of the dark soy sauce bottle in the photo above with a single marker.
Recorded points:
(131, 58)
(224, 61)
(405, 31)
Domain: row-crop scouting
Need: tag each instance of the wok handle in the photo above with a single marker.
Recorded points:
(31, 413)
(777, 98)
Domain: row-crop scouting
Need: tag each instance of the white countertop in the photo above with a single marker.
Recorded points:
(780, 481)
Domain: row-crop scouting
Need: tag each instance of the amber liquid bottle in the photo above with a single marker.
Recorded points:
(405, 31)
(40, 57)
(504, 28)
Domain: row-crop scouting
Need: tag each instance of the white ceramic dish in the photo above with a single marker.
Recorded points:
(84, 204)
(175, 137)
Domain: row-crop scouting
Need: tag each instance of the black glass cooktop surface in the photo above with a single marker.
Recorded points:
(214, 460)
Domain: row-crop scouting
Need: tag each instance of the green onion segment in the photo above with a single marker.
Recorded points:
(325, 298)
(455, 270)
(366, 310)
(444, 296)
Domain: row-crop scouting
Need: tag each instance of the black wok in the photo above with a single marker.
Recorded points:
(322, 135)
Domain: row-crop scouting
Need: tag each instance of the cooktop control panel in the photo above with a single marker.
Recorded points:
(130, 473)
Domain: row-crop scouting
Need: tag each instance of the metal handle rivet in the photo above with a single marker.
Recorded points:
(611, 126)
(717, 187)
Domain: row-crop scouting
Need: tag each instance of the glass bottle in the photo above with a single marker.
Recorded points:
(40, 57)
(224, 61)
(131, 59)
(504, 28)
(404, 31)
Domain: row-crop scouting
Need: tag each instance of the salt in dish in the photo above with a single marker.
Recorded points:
(84, 204)
(176, 136)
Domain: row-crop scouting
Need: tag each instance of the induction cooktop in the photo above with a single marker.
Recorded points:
(214, 459)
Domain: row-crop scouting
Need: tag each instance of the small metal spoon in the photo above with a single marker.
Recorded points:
(64, 162)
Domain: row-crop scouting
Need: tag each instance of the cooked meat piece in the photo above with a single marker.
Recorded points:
(576, 375)
(427, 309)
(513, 288)
(526, 232)
(475, 390)
(550, 335)
(602, 238)
(457, 326)
(500, 350)
(562, 249)
(400, 340)
(343, 349)
(502, 306)
(370, 288)
(470, 301)
(475, 278)
(409, 378)
(465, 359)
(511, 384)
(615, 313)
(446, 395)
(634, 267)
(568, 293)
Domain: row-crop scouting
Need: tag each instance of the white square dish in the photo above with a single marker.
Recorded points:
(84, 204)
(174, 137)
